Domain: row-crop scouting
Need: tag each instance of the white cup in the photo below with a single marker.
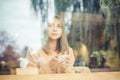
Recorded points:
(23, 62)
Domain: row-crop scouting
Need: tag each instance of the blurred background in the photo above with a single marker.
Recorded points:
(92, 27)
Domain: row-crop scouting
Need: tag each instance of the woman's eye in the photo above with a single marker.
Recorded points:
(59, 26)
(50, 25)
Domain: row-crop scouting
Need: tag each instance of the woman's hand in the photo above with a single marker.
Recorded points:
(65, 62)
(61, 62)
(65, 65)
(54, 62)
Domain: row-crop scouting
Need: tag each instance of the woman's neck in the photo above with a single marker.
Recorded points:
(52, 45)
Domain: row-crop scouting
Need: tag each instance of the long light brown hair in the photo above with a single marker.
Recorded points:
(62, 42)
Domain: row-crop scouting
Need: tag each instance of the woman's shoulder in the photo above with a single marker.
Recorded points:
(36, 53)
(40, 51)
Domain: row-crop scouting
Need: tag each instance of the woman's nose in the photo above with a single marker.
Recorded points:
(55, 28)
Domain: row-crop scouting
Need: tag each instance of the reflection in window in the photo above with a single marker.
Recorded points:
(92, 28)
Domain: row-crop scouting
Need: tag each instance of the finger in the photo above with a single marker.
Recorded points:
(55, 59)
(68, 58)
(57, 55)
(65, 53)
(66, 61)
(63, 62)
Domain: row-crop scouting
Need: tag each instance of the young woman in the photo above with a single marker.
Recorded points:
(56, 56)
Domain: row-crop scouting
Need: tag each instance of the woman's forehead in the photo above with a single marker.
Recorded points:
(56, 20)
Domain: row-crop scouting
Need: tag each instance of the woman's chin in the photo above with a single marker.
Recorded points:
(54, 38)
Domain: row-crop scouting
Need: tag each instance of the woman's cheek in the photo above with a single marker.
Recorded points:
(49, 32)
(60, 33)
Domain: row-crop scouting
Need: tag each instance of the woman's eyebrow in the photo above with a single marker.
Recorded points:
(60, 24)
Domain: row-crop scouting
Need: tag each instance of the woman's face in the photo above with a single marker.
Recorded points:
(54, 30)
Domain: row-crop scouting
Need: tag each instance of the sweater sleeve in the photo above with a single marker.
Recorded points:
(68, 69)
(72, 60)
(32, 60)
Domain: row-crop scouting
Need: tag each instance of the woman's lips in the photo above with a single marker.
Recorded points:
(54, 34)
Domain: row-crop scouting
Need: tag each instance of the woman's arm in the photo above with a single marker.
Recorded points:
(32, 60)
(67, 65)
(71, 60)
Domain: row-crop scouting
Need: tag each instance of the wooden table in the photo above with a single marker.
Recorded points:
(79, 76)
